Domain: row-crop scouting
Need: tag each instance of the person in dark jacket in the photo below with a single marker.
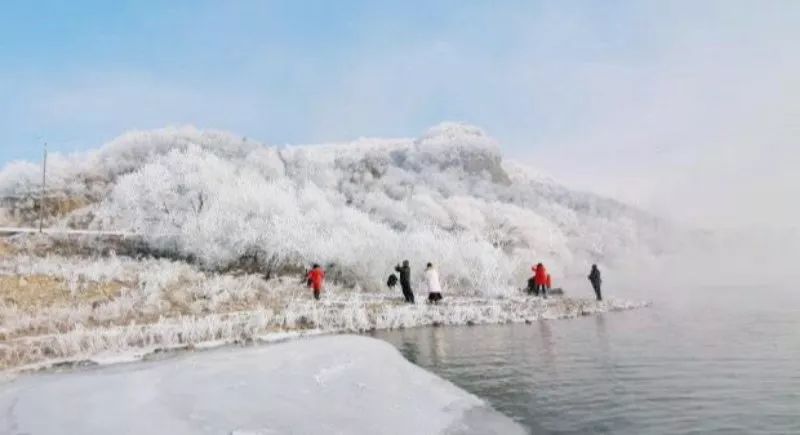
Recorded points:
(392, 281)
(596, 280)
(532, 290)
(405, 281)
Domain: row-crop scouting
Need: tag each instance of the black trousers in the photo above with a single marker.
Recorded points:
(316, 294)
(543, 289)
(407, 293)
(596, 286)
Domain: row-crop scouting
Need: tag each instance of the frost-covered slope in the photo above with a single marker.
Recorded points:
(447, 197)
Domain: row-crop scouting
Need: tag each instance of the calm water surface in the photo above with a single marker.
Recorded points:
(723, 361)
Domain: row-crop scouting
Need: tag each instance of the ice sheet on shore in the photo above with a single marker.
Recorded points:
(333, 384)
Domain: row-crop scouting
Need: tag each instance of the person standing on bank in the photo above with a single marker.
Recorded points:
(540, 276)
(434, 289)
(405, 281)
(316, 279)
(596, 280)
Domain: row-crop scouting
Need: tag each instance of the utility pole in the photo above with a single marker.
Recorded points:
(44, 187)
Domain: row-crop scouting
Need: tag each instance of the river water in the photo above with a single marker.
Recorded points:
(725, 360)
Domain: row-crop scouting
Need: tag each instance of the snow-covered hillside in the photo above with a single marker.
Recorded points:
(447, 197)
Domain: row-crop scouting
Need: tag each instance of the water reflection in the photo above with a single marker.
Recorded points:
(636, 372)
(438, 351)
(409, 348)
(600, 328)
(547, 344)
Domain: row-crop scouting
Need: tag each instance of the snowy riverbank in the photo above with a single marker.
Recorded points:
(74, 310)
(342, 384)
(179, 238)
(347, 313)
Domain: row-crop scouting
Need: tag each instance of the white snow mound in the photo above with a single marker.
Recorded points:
(338, 384)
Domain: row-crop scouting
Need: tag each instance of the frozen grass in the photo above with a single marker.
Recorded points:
(161, 304)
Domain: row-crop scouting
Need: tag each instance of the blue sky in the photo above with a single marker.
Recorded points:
(615, 97)
(78, 73)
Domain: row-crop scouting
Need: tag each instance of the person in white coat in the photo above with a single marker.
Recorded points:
(434, 288)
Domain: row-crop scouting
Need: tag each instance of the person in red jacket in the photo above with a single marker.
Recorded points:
(316, 279)
(540, 279)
